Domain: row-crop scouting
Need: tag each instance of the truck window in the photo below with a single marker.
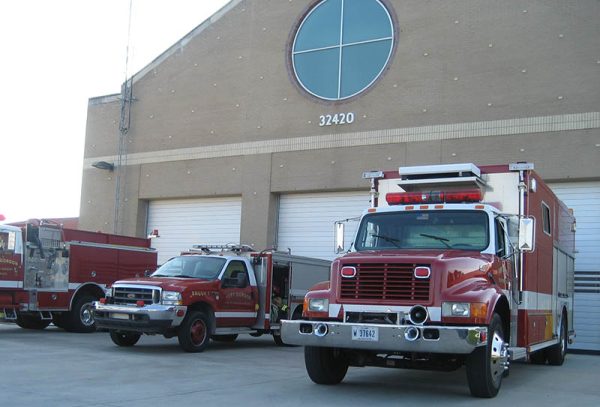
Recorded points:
(459, 229)
(500, 242)
(546, 219)
(235, 275)
(203, 267)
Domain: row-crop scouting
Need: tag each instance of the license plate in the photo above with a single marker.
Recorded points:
(361, 333)
(120, 316)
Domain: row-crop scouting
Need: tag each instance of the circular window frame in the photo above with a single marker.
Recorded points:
(290, 55)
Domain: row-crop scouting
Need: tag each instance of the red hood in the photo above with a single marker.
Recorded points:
(169, 283)
(424, 255)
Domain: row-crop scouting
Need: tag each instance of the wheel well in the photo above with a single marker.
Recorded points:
(87, 289)
(503, 310)
(207, 309)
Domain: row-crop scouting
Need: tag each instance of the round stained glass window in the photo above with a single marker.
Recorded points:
(341, 47)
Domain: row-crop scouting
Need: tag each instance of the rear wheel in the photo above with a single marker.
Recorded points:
(325, 365)
(556, 354)
(485, 365)
(538, 358)
(194, 332)
(32, 322)
(224, 338)
(124, 338)
(81, 317)
(58, 319)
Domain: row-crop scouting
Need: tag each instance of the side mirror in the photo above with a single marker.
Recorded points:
(339, 237)
(526, 234)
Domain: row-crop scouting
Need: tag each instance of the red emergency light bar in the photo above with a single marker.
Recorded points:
(411, 198)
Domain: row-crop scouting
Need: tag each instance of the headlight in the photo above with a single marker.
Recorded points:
(108, 292)
(318, 304)
(171, 298)
(456, 309)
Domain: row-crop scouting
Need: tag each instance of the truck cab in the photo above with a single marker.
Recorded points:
(210, 292)
(445, 270)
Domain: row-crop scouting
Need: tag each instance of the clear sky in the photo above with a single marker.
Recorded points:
(55, 56)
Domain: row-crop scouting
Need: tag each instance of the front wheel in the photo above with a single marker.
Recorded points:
(81, 316)
(194, 332)
(124, 338)
(325, 365)
(485, 365)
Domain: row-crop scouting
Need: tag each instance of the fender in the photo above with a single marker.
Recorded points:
(82, 286)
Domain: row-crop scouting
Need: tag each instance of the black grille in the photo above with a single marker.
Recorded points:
(131, 295)
(385, 281)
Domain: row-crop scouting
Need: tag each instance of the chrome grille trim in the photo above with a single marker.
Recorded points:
(386, 281)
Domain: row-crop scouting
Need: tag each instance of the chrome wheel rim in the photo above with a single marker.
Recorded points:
(87, 316)
(498, 357)
(198, 332)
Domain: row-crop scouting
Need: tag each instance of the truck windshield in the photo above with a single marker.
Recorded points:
(460, 229)
(191, 267)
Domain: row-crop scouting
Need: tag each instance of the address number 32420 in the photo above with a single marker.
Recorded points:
(336, 119)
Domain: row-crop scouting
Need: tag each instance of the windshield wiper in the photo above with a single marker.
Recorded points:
(389, 239)
(158, 275)
(441, 239)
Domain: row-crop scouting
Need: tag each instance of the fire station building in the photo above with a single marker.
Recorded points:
(257, 126)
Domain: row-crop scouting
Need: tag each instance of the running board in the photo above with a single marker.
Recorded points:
(10, 314)
(517, 353)
(232, 331)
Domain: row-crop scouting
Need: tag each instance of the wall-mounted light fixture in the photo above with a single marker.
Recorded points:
(103, 165)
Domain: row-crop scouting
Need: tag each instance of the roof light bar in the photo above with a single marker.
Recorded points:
(405, 198)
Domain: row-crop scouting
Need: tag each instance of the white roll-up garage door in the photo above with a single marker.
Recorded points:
(306, 221)
(584, 199)
(182, 223)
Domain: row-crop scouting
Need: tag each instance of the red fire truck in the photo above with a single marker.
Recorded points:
(452, 265)
(51, 274)
(209, 292)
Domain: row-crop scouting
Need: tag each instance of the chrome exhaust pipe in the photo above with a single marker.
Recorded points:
(321, 330)
(418, 315)
(412, 333)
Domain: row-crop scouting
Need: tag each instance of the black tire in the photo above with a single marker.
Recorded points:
(194, 332)
(556, 354)
(485, 367)
(224, 338)
(538, 357)
(277, 339)
(325, 365)
(32, 322)
(81, 316)
(58, 319)
(124, 338)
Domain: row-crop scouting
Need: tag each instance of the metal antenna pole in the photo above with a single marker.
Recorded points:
(124, 123)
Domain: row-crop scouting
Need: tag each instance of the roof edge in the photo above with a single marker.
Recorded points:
(185, 39)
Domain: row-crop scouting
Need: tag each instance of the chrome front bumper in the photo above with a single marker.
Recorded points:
(153, 318)
(390, 338)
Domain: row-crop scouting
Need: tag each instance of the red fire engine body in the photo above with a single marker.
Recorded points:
(51, 274)
(209, 292)
(453, 265)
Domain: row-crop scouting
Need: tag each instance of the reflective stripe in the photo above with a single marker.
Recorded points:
(10, 284)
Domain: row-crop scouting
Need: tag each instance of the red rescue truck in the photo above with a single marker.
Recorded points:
(51, 274)
(452, 265)
(217, 291)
